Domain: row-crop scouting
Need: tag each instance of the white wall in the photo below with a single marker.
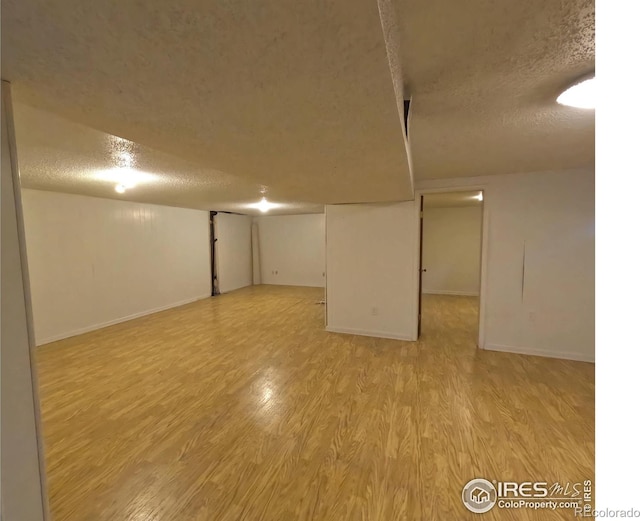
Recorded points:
(255, 253)
(292, 249)
(372, 269)
(545, 220)
(233, 251)
(22, 483)
(451, 245)
(95, 262)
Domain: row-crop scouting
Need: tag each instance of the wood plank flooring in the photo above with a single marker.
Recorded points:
(242, 407)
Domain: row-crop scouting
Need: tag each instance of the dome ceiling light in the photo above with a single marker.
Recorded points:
(582, 95)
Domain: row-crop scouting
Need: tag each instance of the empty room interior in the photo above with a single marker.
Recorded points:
(296, 260)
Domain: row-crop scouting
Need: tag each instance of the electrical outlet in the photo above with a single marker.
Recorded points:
(374, 311)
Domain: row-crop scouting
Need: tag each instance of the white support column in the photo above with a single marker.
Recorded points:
(22, 478)
(255, 253)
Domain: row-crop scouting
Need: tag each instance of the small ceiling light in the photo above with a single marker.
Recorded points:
(124, 159)
(125, 176)
(264, 205)
(478, 197)
(581, 95)
(120, 188)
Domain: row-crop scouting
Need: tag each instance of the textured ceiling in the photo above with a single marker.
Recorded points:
(297, 96)
(451, 199)
(484, 76)
(58, 155)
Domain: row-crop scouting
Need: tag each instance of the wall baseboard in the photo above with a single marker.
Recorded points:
(108, 323)
(456, 293)
(565, 355)
(376, 334)
(300, 285)
(236, 289)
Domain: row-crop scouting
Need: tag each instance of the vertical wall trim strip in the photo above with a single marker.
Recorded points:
(7, 106)
(524, 263)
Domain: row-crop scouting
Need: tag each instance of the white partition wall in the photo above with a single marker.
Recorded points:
(538, 294)
(234, 257)
(541, 265)
(292, 249)
(372, 269)
(96, 262)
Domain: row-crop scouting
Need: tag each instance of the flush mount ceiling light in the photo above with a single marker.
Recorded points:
(581, 95)
(124, 177)
(264, 205)
(124, 159)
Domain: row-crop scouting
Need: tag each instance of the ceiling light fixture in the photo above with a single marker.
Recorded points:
(125, 176)
(264, 205)
(120, 188)
(478, 196)
(581, 95)
(124, 159)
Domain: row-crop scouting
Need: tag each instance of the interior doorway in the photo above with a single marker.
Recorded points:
(212, 246)
(451, 253)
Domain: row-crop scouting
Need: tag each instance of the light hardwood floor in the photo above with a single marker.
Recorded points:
(242, 407)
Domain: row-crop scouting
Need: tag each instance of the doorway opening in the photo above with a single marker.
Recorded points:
(451, 258)
(215, 290)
